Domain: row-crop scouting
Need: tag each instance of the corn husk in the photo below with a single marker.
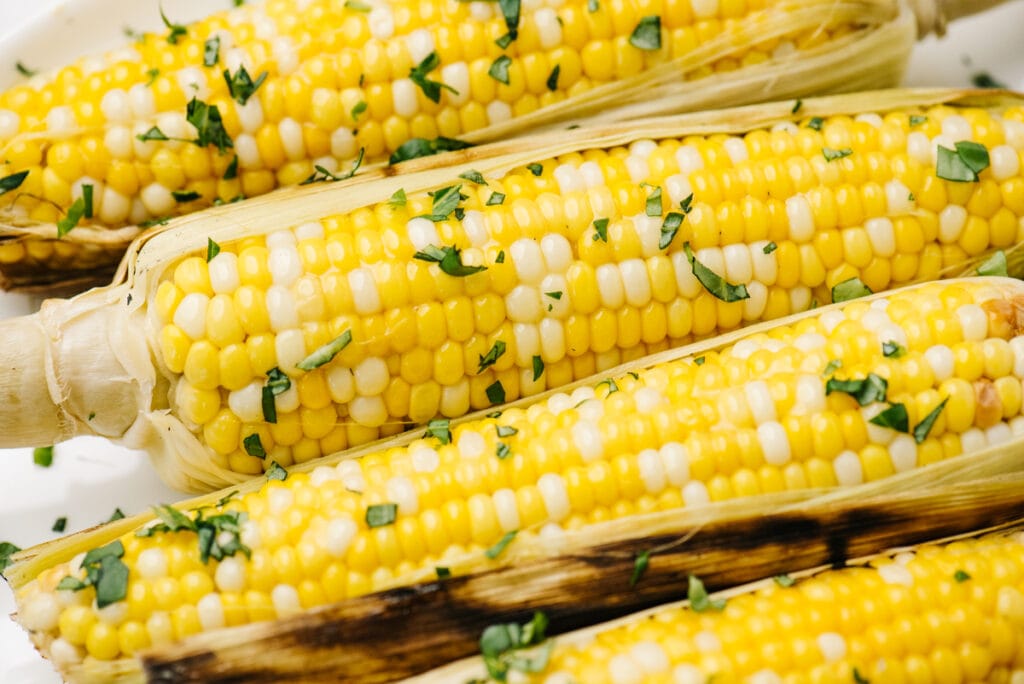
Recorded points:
(99, 349)
(872, 55)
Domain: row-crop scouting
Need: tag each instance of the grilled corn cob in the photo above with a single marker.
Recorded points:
(314, 334)
(285, 92)
(852, 395)
(951, 612)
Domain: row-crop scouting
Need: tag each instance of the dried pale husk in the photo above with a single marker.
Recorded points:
(873, 55)
(99, 349)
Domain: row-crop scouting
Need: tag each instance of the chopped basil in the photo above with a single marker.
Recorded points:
(212, 249)
(510, 10)
(963, 164)
(592, 6)
(227, 497)
(714, 283)
(601, 229)
(431, 89)
(495, 392)
(277, 383)
(491, 357)
(153, 133)
(506, 430)
(639, 567)
(612, 387)
(917, 119)
(503, 451)
(24, 70)
(172, 519)
(504, 41)
(276, 472)
(672, 221)
(858, 678)
(43, 456)
(59, 524)
(182, 196)
(322, 175)
(815, 123)
(177, 31)
(769, 248)
(502, 544)
(698, 597)
(556, 295)
(961, 576)
(12, 182)
(442, 572)
(853, 288)
(379, 515)
(211, 51)
(441, 429)
(535, 169)
(445, 201)
(893, 350)
(75, 213)
(449, 259)
(552, 81)
(326, 353)
(152, 75)
(494, 414)
(865, 391)
(105, 571)
(995, 265)
(499, 69)
(398, 198)
(118, 514)
(831, 154)
(797, 106)
(922, 429)
(240, 84)
(69, 583)
(699, 361)
(357, 109)
(500, 259)
(158, 221)
(473, 177)
(894, 417)
(7, 549)
(647, 34)
(254, 446)
(831, 367)
(653, 207)
(784, 580)
(985, 80)
(495, 198)
(499, 644)
(357, 6)
(538, 368)
(87, 191)
(220, 535)
(209, 125)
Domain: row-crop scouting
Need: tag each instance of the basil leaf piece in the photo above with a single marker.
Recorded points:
(510, 9)
(449, 259)
(714, 283)
(612, 386)
(209, 125)
(653, 207)
(431, 89)
(917, 119)
(211, 51)
(506, 430)
(647, 34)
(894, 417)
(552, 81)
(7, 549)
(182, 196)
(961, 576)
(173, 519)
(177, 31)
(441, 429)
(601, 229)
(831, 154)
(87, 190)
(893, 350)
(70, 583)
(118, 514)
(75, 213)
(995, 265)
(473, 177)
(698, 597)
(538, 368)
(444, 202)
(797, 106)
(499, 69)
(323, 175)
(59, 524)
(495, 393)
(212, 249)
(24, 70)
(922, 429)
(398, 198)
(963, 164)
(853, 288)
(639, 567)
(268, 405)
(500, 259)
(491, 357)
(442, 572)
(535, 169)
(503, 451)
(815, 123)
(276, 472)
(784, 581)
(254, 446)
(380, 515)
(153, 133)
(112, 581)
(326, 353)
(502, 544)
(12, 182)
(866, 391)
(495, 198)
(769, 248)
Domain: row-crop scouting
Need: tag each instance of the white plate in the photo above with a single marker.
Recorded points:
(89, 477)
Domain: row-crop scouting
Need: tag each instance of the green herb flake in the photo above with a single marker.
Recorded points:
(43, 456)
(815, 123)
(831, 154)
(439, 428)
(24, 70)
(538, 368)
(961, 576)
(254, 446)
(326, 353)
(12, 182)
(442, 572)
(552, 81)
(922, 429)
(494, 414)
(183, 196)
(473, 177)
(499, 69)
(177, 31)
(895, 417)
(211, 51)
(357, 6)
(499, 645)
(495, 392)
(831, 367)
(502, 544)
(593, 6)
(647, 34)
(769, 248)
(893, 350)
(444, 202)
(431, 89)
(858, 678)
(380, 515)
(323, 175)
(797, 106)
(495, 198)
(69, 583)
(963, 164)
(653, 207)
(866, 391)
(986, 80)
(784, 581)
(510, 9)
(358, 109)
(670, 226)
(398, 198)
(7, 549)
(209, 125)
(151, 76)
(75, 213)
(506, 430)
(212, 249)
(556, 295)
(449, 259)
(601, 230)
(59, 524)
(153, 133)
(503, 451)
(852, 288)
(917, 120)
(504, 41)
(995, 265)
(491, 357)
(643, 559)
(500, 259)
(699, 361)
(240, 84)
(714, 283)
(276, 472)
(535, 169)
(698, 597)
(612, 386)
(87, 193)
(118, 514)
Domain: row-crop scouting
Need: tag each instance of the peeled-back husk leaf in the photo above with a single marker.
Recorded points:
(96, 353)
(874, 55)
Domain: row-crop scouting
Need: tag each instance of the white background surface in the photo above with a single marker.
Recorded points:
(90, 477)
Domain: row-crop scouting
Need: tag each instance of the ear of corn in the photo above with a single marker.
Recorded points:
(438, 307)
(800, 407)
(950, 612)
(282, 92)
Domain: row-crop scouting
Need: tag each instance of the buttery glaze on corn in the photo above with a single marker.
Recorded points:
(750, 418)
(553, 289)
